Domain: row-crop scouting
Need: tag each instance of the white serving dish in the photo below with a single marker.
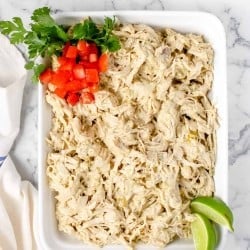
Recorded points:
(196, 22)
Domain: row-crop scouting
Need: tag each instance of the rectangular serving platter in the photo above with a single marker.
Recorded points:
(202, 23)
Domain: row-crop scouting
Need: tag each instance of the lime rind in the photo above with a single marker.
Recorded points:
(228, 210)
(203, 232)
(214, 209)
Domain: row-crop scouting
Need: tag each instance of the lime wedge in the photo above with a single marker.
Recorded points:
(203, 233)
(214, 209)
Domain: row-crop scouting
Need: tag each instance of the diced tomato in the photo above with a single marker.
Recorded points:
(71, 52)
(78, 75)
(87, 98)
(65, 48)
(82, 46)
(83, 57)
(84, 83)
(60, 78)
(78, 71)
(46, 76)
(72, 98)
(61, 92)
(67, 65)
(93, 57)
(75, 85)
(86, 48)
(103, 63)
(62, 60)
(89, 65)
(92, 48)
(93, 87)
(92, 75)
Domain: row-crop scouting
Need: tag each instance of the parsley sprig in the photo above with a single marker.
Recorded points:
(45, 37)
(88, 30)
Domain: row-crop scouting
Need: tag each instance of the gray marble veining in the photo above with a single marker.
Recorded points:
(235, 16)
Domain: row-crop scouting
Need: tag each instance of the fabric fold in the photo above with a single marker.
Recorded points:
(18, 211)
(12, 80)
(18, 199)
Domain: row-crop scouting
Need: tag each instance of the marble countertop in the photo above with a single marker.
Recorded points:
(235, 15)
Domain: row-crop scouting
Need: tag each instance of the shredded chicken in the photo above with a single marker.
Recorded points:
(126, 167)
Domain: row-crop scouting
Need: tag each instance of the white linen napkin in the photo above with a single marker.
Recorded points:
(18, 210)
(12, 80)
(18, 199)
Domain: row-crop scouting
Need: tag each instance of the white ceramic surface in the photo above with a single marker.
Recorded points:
(196, 22)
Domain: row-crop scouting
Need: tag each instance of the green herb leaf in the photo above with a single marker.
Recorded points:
(113, 44)
(109, 25)
(15, 30)
(42, 15)
(103, 36)
(36, 45)
(44, 24)
(55, 48)
(86, 30)
(29, 65)
(38, 69)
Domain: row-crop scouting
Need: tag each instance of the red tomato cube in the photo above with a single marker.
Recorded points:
(72, 98)
(103, 63)
(60, 92)
(71, 52)
(60, 78)
(92, 75)
(62, 60)
(93, 87)
(89, 65)
(92, 48)
(82, 46)
(93, 57)
(65, 48)
(83, 57)
(84, 84)
(46, 76)
(87, 98)
(67, 64)
(75, 85)
(78, 71)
